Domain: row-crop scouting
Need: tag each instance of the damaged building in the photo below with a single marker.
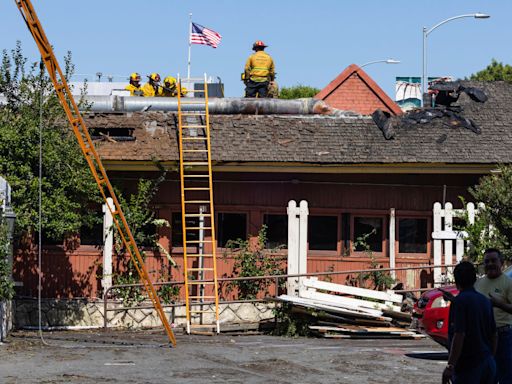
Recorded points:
(351, 174)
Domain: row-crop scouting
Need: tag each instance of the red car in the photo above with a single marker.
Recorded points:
(431, 312)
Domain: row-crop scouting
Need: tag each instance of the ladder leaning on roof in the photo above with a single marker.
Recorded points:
(90, 153)
(197, 213)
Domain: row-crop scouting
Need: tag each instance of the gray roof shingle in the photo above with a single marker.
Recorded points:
(323, 139)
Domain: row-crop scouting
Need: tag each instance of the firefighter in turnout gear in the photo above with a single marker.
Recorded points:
(134, 86)
(170, 88)
(152, 87)
(259, 71)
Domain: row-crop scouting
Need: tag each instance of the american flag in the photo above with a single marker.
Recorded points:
(203, 35)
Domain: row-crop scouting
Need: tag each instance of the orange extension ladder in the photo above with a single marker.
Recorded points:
(197, 213)
(88, 150)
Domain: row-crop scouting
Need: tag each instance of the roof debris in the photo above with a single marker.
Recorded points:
(445, 94)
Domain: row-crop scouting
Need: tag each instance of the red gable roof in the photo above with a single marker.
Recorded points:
(354, 90)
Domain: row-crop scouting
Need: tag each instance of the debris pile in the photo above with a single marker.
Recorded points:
(444, 94)
(342, 311)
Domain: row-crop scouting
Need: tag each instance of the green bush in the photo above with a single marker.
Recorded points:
(6, 284)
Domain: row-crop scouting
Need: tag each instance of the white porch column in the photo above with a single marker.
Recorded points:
(392, 253)
(108, 244)
(437, 244)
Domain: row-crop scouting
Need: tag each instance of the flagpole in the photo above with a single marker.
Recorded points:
(189, 43)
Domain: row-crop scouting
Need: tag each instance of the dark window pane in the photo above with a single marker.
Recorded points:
(412, 235)
(277, 230)
(177, 230)
(323, 233)
(372, 226)
(231, 226)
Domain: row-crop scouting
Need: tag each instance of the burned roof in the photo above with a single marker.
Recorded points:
(317, 139)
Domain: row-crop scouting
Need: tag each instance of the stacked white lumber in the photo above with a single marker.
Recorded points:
(342, 311)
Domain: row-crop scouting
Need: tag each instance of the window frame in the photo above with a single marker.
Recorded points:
(385, 236)
(425, 255)
(229, 211)
(318, 252)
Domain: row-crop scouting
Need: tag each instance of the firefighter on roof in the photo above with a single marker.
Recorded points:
(170, 88)
(134, 86)
(152, 87)
(259, 71)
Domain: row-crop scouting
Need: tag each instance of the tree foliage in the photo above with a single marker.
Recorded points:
(494, 72)
(6, 284)
(297, 92)
(67, 185)
(495, 191)
(143, 223)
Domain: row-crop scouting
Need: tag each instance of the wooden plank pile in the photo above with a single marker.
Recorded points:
(342, 311)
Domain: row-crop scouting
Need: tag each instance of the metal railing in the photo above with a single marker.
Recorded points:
(276, 279)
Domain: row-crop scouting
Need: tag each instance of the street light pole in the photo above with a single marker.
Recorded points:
(427, 32)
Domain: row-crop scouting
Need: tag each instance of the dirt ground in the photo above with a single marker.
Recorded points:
(145, 357)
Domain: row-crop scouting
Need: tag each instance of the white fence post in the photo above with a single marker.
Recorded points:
(437, 244)
(292, 283)
(392, 255)
(108, 244)
(448, 226)
(303, 239)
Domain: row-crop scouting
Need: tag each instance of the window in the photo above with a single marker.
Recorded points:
(371, 226)
(231, 226)
(177, 229)
(277, 230)
(412, 235)
(323, 233)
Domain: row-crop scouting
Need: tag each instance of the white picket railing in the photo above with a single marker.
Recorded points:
(443, 236)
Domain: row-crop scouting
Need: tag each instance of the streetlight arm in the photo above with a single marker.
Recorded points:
(427, 32)
(387, 61)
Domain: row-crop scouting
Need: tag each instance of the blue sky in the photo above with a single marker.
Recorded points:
(311, 42)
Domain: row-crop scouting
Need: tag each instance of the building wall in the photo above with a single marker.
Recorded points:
(343, 197)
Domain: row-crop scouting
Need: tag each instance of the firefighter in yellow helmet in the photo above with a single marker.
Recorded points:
(152, 87)
(170, 88)
(134, 86)
(259, 71)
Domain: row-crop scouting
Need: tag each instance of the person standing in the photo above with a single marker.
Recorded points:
(134, 86)
(471, 332)
(498, 287)
(259, 71)
(152, 87)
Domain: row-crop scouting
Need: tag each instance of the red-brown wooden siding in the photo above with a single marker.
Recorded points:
(77, 273)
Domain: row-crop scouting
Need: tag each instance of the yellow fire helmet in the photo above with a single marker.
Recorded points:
(135, 76)
(170, 82)
(155, 77)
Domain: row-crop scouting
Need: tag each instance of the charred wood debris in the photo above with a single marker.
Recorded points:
(444, 94)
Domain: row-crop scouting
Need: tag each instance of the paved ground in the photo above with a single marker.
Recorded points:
(140, 357)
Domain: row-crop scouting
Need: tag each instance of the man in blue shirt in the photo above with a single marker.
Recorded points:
(472, 333)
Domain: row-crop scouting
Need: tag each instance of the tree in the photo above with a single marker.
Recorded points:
(297, 92)
(494, 72)
(6, 283)
(68, 189)
(495, 191)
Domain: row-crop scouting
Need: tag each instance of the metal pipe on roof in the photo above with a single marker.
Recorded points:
(223, 106)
